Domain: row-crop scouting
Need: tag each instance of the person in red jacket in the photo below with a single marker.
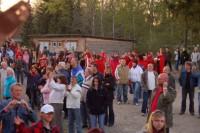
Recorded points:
(114, 61)
(43, 126)
(161, 59)
(100, 63)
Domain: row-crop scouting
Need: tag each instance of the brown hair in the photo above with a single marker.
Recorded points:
(188, 63)
(62, 78)
(99, 84)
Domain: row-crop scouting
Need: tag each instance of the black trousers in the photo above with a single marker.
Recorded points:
(167, 130)
(168, 62)
(65, 107)
(109, 117)
(184, 97)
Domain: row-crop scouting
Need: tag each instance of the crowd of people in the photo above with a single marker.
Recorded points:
(84, 87)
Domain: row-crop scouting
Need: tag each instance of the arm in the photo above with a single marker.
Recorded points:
(180, 79)
(169, 97)
(76, 93)
(4, 112)
(191, 56)
(45, 88)
(129, 75)
(143, 81)
(113, 82)
(116, 73)
(31, 116)
(55, 86)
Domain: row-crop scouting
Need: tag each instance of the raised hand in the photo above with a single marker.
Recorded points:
(12, 19)
(18, 120)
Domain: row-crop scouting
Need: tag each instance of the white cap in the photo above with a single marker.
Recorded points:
(47, 109)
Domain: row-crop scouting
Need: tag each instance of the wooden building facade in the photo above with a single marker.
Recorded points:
(79, 43)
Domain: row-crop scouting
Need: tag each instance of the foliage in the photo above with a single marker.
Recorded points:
(153, 23)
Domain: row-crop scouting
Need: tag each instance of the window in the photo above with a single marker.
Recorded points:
(54, 44)
(59, 44)
(71, 45)
(42, 45)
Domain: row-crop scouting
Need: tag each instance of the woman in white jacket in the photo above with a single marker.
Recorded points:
(73, 106)
(56, 97)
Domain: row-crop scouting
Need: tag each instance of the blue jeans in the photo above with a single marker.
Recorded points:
(145, 102)
(146, 97)
(74, 118)
(177, 64)
(122, 90)
(20, 76)
(94, 118)
(137, 90)
(84, 114)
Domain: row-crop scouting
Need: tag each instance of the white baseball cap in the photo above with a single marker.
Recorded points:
(46, 109)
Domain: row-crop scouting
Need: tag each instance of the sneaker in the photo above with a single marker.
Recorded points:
(137, 104)
(143, 114)
(118, 103)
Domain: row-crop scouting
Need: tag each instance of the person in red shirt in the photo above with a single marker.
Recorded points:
(143, 61)
(130, 64)
(162, 98)
(18, 52)
(87, 57)
(161, 60)
(150, 58)
(113, 63)
(100, 62)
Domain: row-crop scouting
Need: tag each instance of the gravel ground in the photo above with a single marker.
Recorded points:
(128, 118)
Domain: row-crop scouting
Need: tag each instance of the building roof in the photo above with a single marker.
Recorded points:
(78, 35)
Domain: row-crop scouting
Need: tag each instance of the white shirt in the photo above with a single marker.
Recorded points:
(151, 80)
(135, 74)
(176, 55)
(195, 56)
(74, 97)
(57, 92)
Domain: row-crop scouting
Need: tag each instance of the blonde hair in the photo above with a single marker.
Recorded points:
(153, 116)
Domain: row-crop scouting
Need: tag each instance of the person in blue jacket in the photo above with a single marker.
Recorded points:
(10, 79)
(188, 82)
(15, 107)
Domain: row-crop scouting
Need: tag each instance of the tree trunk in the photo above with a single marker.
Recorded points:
(93, 17)
(186, 32)
(113, 19)
(102, 27)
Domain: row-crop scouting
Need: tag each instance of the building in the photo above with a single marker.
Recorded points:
(79, 43)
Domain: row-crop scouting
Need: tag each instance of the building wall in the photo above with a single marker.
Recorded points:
(108, 46)
(93, 44)
(60, 43)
